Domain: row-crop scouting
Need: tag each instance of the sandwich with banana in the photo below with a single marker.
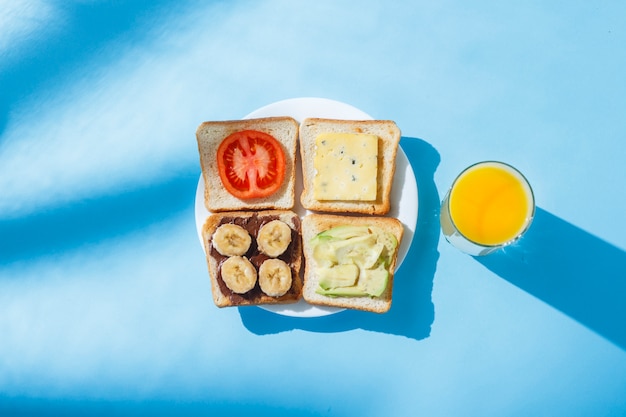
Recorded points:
(254, 257)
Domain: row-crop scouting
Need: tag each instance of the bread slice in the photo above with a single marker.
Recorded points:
(252, 221)
(312, 225)
(209, 136)
(388, 140)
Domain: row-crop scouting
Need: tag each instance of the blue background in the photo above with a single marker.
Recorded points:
(105, 304)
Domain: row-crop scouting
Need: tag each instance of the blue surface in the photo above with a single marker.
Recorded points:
(105, 303)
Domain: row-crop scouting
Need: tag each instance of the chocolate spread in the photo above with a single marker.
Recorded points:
(252, 224)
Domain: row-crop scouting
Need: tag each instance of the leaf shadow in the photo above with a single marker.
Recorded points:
(45, 62)
(55, 230)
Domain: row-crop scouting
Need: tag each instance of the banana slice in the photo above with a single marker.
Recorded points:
(231, 240)
(274, 238)
(274, 277)
(239, 274)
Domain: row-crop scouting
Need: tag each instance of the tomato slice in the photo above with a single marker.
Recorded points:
(251, 164)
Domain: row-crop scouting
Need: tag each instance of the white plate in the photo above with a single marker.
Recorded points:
(403, 194)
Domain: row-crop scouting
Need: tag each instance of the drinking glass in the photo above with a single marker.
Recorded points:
(489, 206)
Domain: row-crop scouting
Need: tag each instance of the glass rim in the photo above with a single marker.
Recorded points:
(529, 219)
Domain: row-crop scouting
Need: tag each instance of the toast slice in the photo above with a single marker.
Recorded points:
(388, 135)
(209, 136)
(252, 221)
(312, 226)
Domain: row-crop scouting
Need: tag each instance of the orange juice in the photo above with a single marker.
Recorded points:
(491, 204)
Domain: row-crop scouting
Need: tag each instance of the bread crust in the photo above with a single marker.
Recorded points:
(314, 224)
(388, 141)
(253, 220)
(210, 134)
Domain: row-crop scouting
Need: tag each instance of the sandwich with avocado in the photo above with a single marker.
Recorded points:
(350, 261)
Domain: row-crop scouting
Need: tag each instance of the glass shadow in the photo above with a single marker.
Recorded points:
(412, 311)
(575, 272)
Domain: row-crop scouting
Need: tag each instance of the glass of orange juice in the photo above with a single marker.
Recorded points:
(489, 206)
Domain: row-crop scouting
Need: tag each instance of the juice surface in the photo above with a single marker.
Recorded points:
(490, 205)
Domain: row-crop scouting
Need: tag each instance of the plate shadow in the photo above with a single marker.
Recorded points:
(412, 311)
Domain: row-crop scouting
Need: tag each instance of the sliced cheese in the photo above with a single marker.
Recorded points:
(346, 167)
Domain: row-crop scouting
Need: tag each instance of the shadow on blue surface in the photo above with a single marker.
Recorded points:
(68, 408)
(56, 230)
(87, 27)
(571, 270)
(412, 311)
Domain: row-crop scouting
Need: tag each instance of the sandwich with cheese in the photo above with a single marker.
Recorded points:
(348, 165)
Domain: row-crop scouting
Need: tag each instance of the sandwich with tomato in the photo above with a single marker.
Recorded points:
(248, 164)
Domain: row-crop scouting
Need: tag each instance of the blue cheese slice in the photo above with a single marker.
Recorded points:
(346, 167)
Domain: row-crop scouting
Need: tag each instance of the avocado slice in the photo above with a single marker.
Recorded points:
(374, 281)
(390, 244)
(345, 232)
(346, 244)
(323, 252)
(365, 256)
(338, 276)
(342, 292)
